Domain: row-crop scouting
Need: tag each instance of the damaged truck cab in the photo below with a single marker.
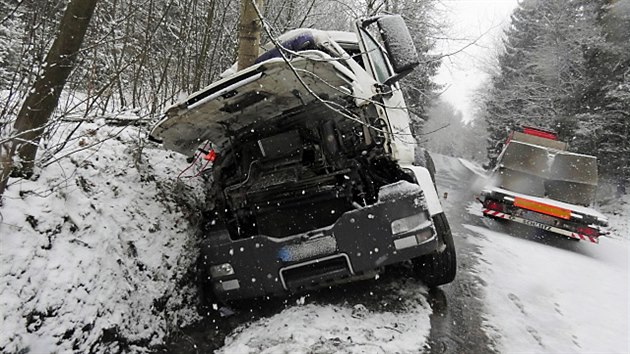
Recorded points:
(314, 181)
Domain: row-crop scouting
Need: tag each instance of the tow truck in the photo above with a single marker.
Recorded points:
(537, 182)
(316, 179)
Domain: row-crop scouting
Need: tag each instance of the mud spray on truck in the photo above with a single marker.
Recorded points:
(316, 179)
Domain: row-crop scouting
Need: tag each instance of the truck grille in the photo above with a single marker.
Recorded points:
(311, 273)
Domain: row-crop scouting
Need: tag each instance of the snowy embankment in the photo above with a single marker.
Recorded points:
(394, 321)
(545, 294)
(94, 252)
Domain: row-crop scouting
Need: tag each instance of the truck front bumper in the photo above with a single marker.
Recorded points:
(359, 243)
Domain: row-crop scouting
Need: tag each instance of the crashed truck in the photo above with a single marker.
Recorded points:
(316, 179)
(541, 184)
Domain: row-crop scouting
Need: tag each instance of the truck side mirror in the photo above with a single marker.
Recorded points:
(399, 45)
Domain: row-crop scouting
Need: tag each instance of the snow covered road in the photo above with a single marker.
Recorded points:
(555, 298)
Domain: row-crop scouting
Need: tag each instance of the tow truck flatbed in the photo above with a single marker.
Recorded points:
(541, 184)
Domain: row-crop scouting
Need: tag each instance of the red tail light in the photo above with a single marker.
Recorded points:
(588, 231)
(491, 204)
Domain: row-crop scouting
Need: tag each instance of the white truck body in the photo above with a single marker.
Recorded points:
(315, 180)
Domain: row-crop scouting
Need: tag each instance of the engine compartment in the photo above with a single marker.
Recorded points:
(300, 171)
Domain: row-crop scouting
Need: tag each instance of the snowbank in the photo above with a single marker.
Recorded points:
(346, 328)
(95, 252)
(618, 213)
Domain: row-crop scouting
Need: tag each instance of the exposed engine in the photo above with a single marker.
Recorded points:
(279, 182)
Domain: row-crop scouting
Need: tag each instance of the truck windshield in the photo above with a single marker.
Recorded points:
(377, 57)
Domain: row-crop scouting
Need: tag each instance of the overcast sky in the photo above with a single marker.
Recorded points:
(465, 71)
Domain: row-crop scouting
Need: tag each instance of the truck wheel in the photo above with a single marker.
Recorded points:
(440, 266)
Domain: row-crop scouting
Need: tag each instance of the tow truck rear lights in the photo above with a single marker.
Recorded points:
(588, 231)
(491, 204)
(542, 208)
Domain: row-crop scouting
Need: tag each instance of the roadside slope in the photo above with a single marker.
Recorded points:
(93, 251)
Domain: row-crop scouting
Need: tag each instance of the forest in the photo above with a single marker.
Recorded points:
(101, 229)
(565, 66)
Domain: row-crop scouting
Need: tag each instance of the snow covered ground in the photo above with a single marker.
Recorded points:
(350, 327)
(555, 298)
(93, 254)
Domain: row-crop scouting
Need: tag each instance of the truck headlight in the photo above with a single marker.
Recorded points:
(408, 223)
(221, 270)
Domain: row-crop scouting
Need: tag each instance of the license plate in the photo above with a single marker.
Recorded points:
(536, 224)
(319, 246)
(536, 217)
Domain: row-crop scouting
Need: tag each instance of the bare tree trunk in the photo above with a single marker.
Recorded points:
(248, 34)
(205, 47)
(44, 97)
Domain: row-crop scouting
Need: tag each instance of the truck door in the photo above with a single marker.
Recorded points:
(393, 109)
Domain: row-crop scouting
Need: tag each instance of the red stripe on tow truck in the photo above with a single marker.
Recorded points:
(494, 213)
(542, 208)
(584, 237)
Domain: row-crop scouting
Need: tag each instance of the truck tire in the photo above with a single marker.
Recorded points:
(439, 267)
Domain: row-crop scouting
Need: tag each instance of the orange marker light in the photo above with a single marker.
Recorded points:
(542, 208)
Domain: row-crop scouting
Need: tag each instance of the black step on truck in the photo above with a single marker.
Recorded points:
(317, 179)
